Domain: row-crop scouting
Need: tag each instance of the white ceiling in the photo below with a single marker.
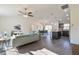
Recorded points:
(40, 11)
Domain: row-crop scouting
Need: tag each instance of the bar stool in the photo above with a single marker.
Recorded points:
(2, 43)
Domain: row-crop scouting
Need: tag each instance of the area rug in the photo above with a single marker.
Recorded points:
(14, 51)
(43, 51)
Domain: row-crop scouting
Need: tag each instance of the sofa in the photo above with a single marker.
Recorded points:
(24, 39)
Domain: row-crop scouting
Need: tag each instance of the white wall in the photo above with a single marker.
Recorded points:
(7, 23)
(74, 29)
(27, 24)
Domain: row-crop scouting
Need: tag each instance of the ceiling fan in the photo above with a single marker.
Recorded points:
(26, 12)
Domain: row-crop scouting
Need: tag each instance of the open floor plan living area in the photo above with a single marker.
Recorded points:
(39, 29)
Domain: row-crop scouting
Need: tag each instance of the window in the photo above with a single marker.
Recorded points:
(66, 27)
(48, 27)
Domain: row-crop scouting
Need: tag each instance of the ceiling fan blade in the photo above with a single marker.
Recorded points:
(21, 12)
(30, 15)
(29, 12)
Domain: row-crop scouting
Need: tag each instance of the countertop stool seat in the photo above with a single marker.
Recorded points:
(2, 43)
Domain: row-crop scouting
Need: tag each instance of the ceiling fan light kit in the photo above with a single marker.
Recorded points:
(25, 16)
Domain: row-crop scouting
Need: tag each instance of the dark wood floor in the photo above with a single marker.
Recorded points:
(60, 46)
